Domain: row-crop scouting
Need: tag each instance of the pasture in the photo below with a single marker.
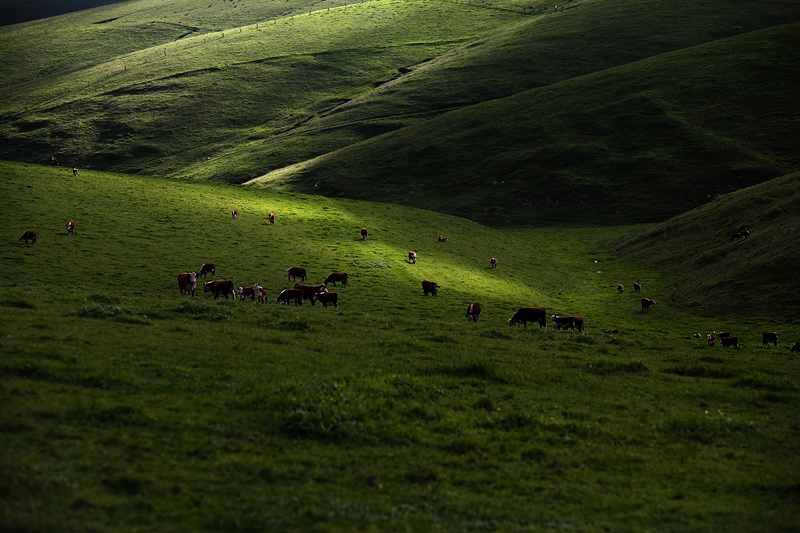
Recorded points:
(127, 407)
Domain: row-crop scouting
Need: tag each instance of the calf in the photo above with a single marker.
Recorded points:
(493, 262)
(529, 314)
(71, 228)
(310, 290)
(249, 292)
(288, 295)
(770, 337)
(473, 312)
(334, 277)
(271, 218)
(295, 272)
(620, 288)
(187, 282)
(235, 214)
(442, 238)
(412, 257)
(220, 287)
(364, 233)
(208, 268)
(29, 235)
(326, 298)
(430, 287)
(647, 303)
(637, 287)
(730, 341)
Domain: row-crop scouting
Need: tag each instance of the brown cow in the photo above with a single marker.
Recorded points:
(261, 294)
(473, 312)
(364, 233)
(235, 214)
(412, 257)
(187, 282)
(336, 277)
(295, 272)
(637, 287)
(711, 339)
(567, 322)
(493, 262)
(724, 334)
(647, 303)
(271, 218)
(249, 292)
(71, 228)
(770, 337)
(53, 161)
(442, 238)
(326, 298)
(730, 341)
(220, 287)
(208, 268)
(430, 287)
(29, 235)
(288, 295)
(744, 234)
(310, 290)
(529, 314)
(620, 288)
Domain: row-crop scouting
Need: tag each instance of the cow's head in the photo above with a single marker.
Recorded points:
(208, 286)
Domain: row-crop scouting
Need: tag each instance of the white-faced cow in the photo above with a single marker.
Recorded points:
(75, 172)
(220, 287)
(620, 288)
(364, 233)
(261, 295)
(730, 341)
(208, 268)
(430, 287)
(287, 295)
(310, 290)
(770, 337)
(271, 218)
(442, 238)
(235, 214)
(412, 257)
(711, 339)
(336, 277)
(326, 298)
(29, 235)
(523, 315)
(251, 292)
(295, 272)
(647, 303)
(187, 282)
(493, 262)
(637, 287)
(473, 312)
(71, 228)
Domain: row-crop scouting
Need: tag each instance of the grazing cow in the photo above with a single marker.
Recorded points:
(187, 282)
(29, 235)
(295, 272)
(493, 262)
(334, 277)
(412, 257)
(75, 172)
(310, 290)
(288, 295)
(744, 234)
(567, 322)
(364, 233)
(620, 288)
(235, 214)
(430, 287)
(326, 298)
(220, 287)
(442, 238)
(261, 294)
(795, 348)
(647, 303)
(529, 314)
(770, 337)
(53, 161)
(637, 287)
(711, 339)
(271, 218)
(249, 292)
(71, 228)
(208, 268)
(473, 312)
(697, 336)
(611, 330)
(730, 341)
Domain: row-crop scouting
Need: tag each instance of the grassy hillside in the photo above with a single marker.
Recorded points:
(124, 406)
(16, 11)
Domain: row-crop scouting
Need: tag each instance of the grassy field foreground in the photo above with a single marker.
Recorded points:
(124, 406)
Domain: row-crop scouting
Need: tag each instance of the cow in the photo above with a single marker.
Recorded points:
(611, 331)
(473, 312)
(620, 288)
(493, 262)
(529, 314)
(288, 295)
(724, 334)
(261, 294)
(295, 272)
(326, 298)
(770, 337)
(567, 322)
(271, 218)
(249, 292)
(412, 257)
(53, 161)
(730, 341)
(310, 290)
(71, 228)
(711, 339)
(187, 282)
(235, 214)
(647, 303)
(637, 287)
(75, 172)
(208, 268)
(697, 336)
(29, 235)
(795, 348)
(430, 287)
(442, 238)
(364, 233)
(334, 277)
(219, 287)
(744, 234)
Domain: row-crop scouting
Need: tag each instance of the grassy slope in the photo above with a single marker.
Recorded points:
(124, 406)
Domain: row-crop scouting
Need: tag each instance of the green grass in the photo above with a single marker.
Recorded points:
(128, 407)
